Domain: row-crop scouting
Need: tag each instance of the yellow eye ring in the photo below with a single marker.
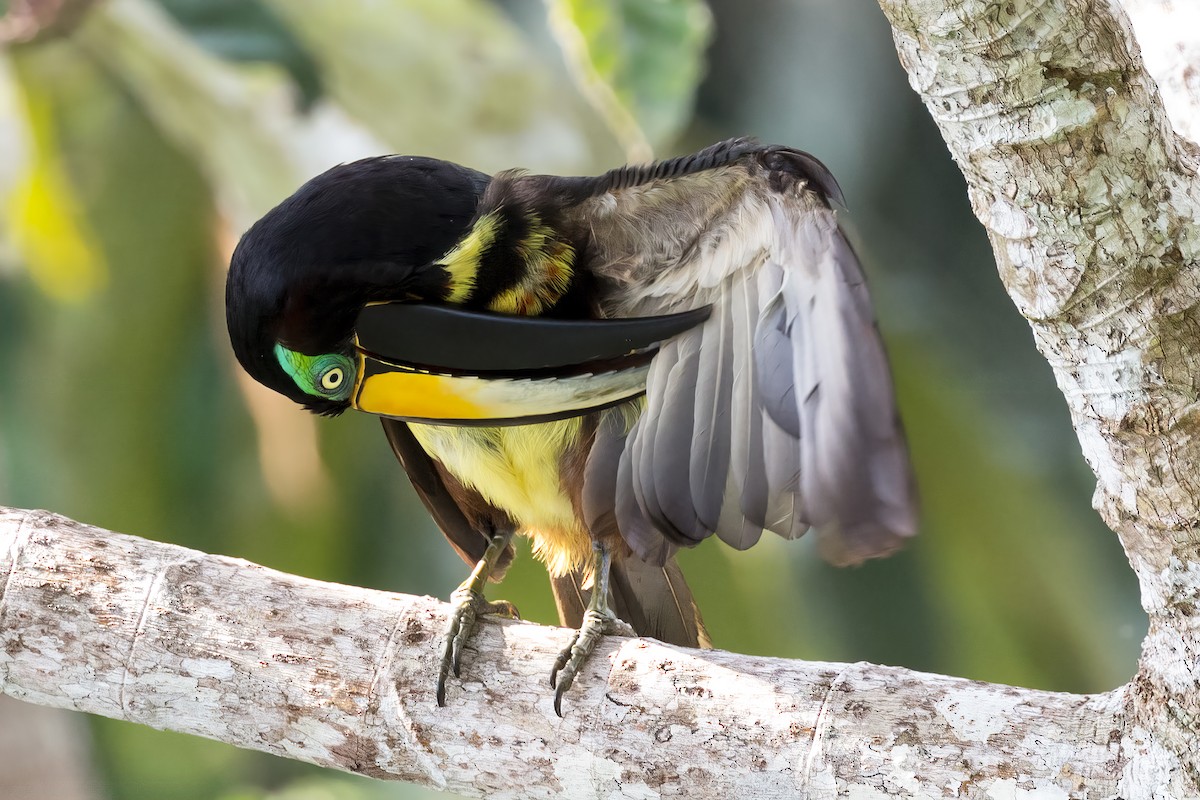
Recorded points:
(332, 378)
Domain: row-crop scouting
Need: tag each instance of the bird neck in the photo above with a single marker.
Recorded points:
(511, 262)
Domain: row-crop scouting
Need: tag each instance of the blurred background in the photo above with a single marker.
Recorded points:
(139, 143)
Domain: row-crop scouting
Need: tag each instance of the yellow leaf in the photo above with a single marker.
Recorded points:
(47, 224)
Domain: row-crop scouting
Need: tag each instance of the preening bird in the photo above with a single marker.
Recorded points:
(615, 366)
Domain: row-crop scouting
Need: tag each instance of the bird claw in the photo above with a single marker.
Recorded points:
(469, 605)
(596, 623)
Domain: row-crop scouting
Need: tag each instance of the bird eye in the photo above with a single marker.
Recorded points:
(332, 378)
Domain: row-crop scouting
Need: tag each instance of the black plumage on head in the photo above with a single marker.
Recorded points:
(357, 233)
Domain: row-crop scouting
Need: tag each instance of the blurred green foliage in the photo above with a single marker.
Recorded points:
(248, 31)
(143, 143)
(638, 63)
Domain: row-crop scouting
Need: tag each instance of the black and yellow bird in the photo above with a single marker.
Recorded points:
(615, 366)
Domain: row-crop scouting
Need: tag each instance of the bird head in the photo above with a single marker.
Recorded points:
(344, 296)
(360, 233)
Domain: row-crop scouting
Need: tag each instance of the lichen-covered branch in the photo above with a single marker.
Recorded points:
(344, 677)
(1091, 201)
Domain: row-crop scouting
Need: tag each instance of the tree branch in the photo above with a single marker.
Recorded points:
(1090, 200)
(343, 677)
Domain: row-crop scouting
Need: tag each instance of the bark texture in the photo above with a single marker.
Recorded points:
(1090, 199)
(344, 677)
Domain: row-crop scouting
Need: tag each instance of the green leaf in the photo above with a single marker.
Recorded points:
(638, 62)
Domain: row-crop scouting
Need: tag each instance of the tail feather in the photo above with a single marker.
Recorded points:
(570, 597)
(655, 600)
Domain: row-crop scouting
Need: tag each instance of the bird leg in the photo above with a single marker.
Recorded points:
(598, 620)
(469, 604)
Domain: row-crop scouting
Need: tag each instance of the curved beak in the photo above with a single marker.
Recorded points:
(446, 365)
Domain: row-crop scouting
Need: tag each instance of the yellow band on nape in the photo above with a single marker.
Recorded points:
(417, 395)
(548, 262)
(462, 262)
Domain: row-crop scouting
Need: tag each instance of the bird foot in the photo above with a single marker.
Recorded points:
(596, 623)
(469, 606)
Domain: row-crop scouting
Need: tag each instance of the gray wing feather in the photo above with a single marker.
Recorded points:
(625, 494)
(781, 460)
(774, 352)
(747, 477)
(855, 478)
(570, 598)
(710, 451)
(598, 498)
(640, 445)
(777, 413)
(673, 445)
(857, 467)
(606, 509)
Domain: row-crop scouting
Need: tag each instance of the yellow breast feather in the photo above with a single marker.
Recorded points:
(516, 468)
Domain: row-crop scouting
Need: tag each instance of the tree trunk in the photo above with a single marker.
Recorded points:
(1090, 199)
